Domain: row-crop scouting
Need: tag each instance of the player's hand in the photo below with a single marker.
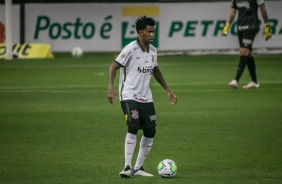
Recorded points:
(266, 31)
(172, 98)
(225, 30)
(111, 95)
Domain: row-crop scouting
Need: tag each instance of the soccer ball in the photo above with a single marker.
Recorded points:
(15, 55)
(76, 52)
(167, 168)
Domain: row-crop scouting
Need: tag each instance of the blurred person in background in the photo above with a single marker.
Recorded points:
(248, 27)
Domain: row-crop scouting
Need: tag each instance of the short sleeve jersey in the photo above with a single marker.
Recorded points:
(247, 14)
(136, 70)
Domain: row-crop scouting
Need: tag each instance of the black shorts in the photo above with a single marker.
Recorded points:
(139, 115)
(246, 38)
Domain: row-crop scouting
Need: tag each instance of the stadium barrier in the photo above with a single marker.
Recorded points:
(28, 51)
(101, 27)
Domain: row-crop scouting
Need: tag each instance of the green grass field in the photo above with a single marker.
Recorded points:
(57, 126)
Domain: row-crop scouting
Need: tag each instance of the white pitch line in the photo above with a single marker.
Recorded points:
(191, 62)
(221, 90)
(51, 91)
(91, 90)
(49, 87)
(214, 83)
(57, 66)
(105, 86)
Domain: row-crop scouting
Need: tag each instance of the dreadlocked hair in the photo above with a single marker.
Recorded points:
(142, 22)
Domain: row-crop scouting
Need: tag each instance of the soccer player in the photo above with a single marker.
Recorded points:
(137, 63)
(248, 26)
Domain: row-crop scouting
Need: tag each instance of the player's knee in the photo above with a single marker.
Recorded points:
(244, 51)
(149, 132)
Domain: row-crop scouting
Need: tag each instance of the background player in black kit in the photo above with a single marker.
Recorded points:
(248, 26)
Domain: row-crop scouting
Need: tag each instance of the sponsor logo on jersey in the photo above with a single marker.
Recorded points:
(243, 27)
(243, 4)
(140, 99)
(247, 41)
(153, 117)
(134, 114)
(145, 70)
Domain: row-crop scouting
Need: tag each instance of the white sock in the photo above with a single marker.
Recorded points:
(145, 147)
(129, 146)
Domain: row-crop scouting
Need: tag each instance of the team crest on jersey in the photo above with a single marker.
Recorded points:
(134, 114)
(153, 58)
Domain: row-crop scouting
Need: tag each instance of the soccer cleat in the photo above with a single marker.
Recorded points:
(126, 172)
(233, 84)
(251, 85)
(140, 172)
